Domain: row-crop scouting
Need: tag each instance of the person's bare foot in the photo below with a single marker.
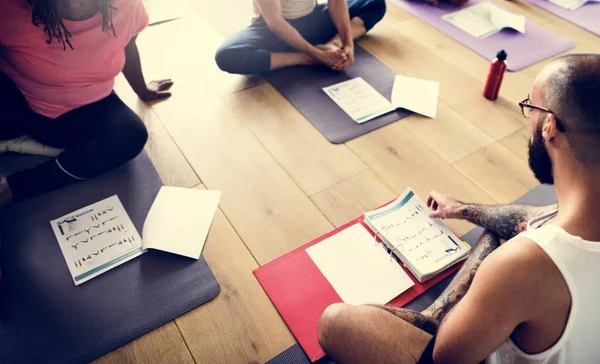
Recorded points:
(333, 45)
(308, 60)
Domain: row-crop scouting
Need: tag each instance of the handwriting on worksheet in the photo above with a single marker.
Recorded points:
(413, 234)
(97, 238)
(418, 238)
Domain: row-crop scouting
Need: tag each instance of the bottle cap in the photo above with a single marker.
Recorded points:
(501, 55)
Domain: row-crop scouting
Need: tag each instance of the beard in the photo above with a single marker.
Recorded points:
(539, 159)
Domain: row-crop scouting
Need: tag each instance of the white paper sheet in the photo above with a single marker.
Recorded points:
(359, 99)
(96, 238)
(485, 19)
(179, 220)
(359, 270)
(416, 95)
(571, 5)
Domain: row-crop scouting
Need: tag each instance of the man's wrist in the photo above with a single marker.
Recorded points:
(462, 211)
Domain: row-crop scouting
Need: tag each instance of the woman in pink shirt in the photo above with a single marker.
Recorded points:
(58, 61)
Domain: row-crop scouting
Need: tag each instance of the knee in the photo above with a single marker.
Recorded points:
(330, 325)
(133, 137)
(380, 8)
(229, 59)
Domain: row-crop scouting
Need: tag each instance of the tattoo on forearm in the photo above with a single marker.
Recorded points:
(505, 221)
(463, 279)
(415, 318)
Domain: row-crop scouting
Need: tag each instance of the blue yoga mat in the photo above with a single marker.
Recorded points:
(45, 318)
(542, 195)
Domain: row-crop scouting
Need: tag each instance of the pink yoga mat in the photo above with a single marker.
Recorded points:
(524, 50)
(586, 17)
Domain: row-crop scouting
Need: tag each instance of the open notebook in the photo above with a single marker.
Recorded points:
(101, 236)
(363, 103)
(485, 19)
(424, 245)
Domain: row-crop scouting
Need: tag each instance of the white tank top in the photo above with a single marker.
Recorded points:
(579, 262)
(293, 9)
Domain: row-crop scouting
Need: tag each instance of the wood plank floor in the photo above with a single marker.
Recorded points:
(283, 184)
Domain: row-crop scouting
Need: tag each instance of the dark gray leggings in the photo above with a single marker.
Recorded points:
(249, 51)
(96, 138)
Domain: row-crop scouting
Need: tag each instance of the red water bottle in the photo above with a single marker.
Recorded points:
(494, 80)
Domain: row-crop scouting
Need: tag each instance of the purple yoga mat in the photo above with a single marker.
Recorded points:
(586, 17)
(524, 50)
(302, 87)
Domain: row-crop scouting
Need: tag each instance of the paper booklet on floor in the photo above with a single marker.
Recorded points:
(363, 103)
(101, 236)
(485, 19)
(572, 5)
(424, 245)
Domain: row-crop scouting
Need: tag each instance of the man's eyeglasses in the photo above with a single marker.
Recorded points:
(527, 107)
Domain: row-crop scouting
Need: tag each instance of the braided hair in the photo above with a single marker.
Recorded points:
(45, 12)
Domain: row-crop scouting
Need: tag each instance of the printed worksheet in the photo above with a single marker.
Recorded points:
(97, 238)
(571, 5)
(485, 19)
(359, 99)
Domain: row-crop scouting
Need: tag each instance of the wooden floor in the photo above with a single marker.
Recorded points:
(284, 184)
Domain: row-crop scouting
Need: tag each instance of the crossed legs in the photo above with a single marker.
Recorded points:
(257, 49)
(381, 334)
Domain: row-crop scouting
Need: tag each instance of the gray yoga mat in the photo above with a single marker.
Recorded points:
(541, 195)
(45, 318)
(302, 87)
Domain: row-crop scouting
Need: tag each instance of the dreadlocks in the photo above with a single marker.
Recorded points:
(45, 12)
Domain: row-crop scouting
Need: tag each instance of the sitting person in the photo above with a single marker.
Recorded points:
(58, 61)
(532, 299)
(299, 32)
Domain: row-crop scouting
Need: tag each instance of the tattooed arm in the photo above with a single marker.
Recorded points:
(430, 319)
(506, 221)
(463, 279)
(417, 319)
(499, 299)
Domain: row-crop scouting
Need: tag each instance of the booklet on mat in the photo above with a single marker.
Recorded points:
(572, 5)
(101, 236)
(363, 103)
(424, 245)
(485, 19)
(358, 269)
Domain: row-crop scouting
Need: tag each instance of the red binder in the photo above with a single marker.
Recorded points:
(301, 293)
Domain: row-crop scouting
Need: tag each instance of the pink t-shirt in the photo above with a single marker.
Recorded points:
(53, 80)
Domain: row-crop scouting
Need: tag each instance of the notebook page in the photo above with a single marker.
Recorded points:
(505, 19)
(358, 269)
(474, 20)
(416, 95)
(97, 238)
(179, 220)
(359, 99)
(485, 19)
(571, 5)
(424, 242)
